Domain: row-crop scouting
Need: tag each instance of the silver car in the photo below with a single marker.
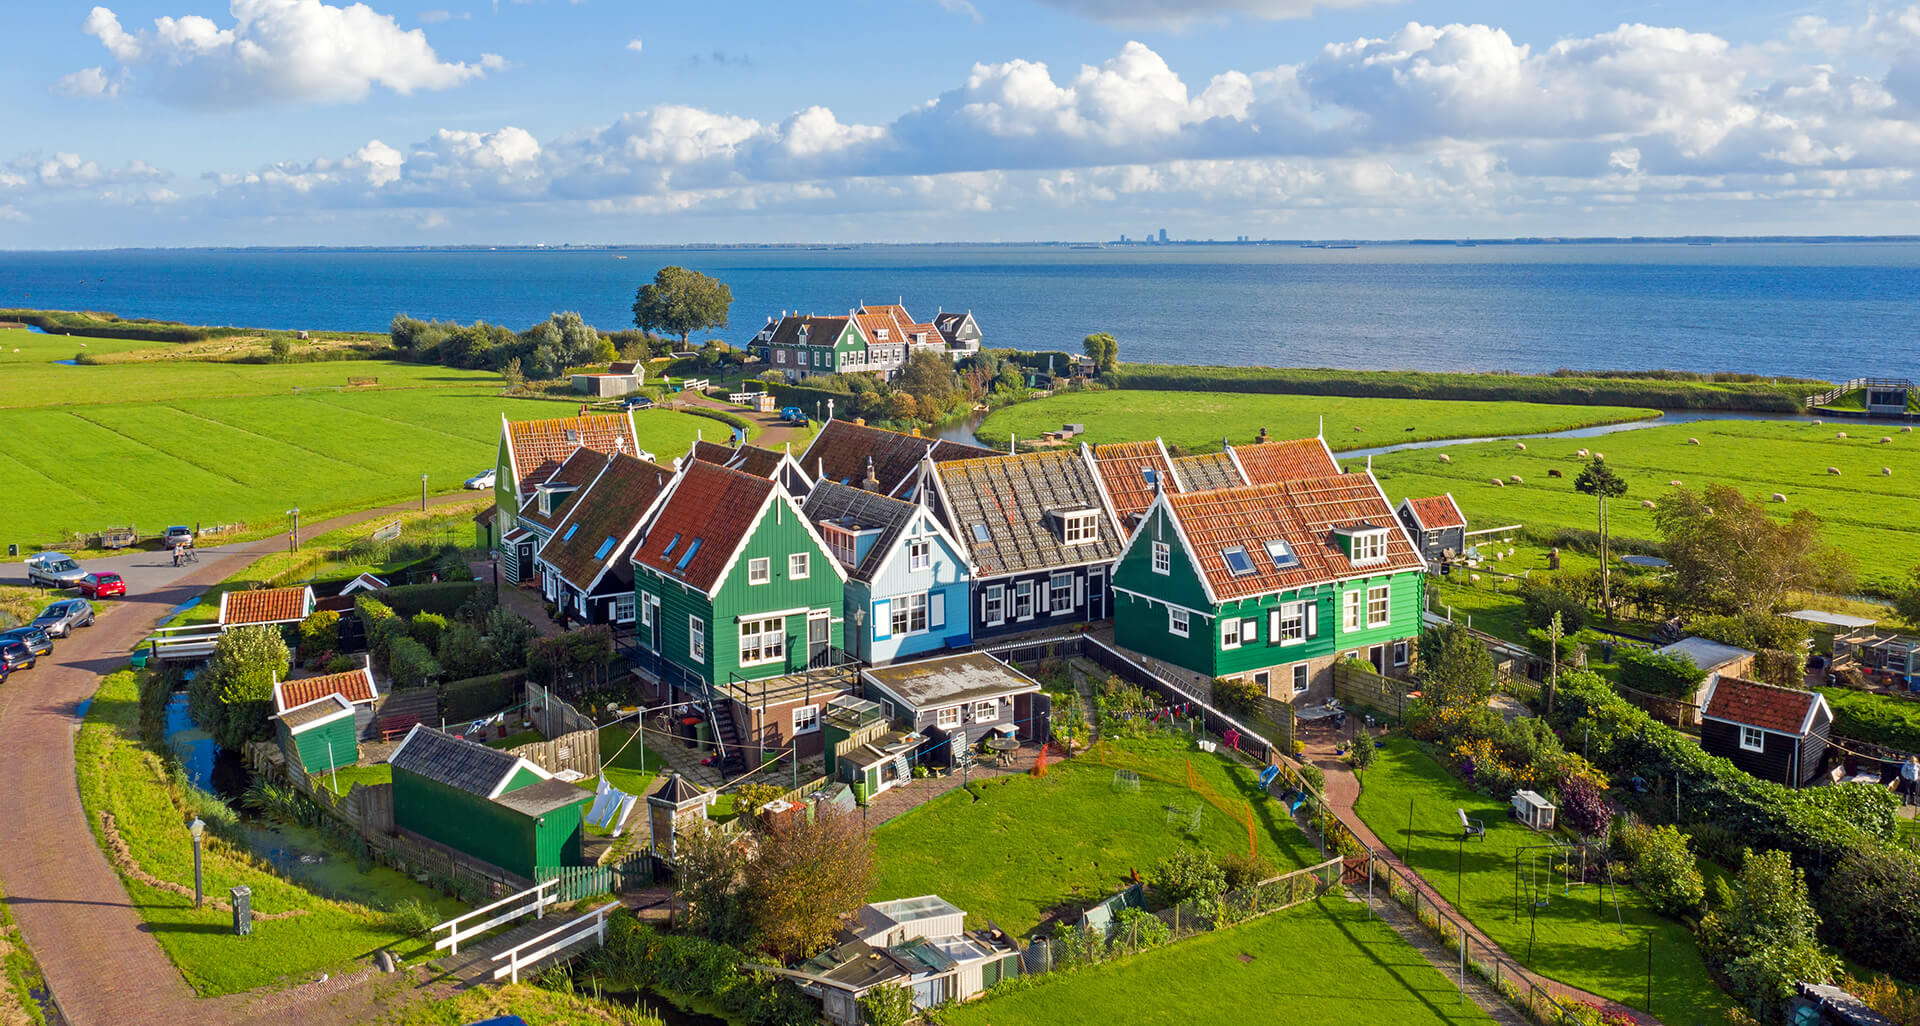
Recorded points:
(481, 481)
(54, 570)
(60, 619)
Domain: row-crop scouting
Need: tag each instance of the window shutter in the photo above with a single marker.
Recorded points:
(1045, 590)
(882, 619)
(1249, 630)
(1079, 591)
(1273, 626)
(937, 609)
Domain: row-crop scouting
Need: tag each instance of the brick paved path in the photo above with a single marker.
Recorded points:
(101, 965)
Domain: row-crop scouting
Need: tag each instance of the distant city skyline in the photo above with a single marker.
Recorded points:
(402, 122)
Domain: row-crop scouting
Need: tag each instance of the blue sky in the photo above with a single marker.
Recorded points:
(276, 122)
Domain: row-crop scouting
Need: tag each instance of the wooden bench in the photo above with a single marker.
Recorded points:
(1470, 828)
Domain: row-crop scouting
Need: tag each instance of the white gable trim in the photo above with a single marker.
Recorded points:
(500, 786)
(337, 715)
(920, 516)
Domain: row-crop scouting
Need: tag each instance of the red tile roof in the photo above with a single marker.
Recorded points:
(1781, 710)
(609, 509)
(355, 686)
(540, 446)
(1436, 512)
(1301, 513)
(579, 468)
(267, 605)
(711, 505)
(1291, 460)
(1124, 468)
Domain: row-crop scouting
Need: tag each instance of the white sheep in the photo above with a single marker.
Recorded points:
(1777, 497)
(1515, 478)
(1816, 422)
(1646, 503)
(1475, 578)
(1582, 453)
(1444, 458)
(1841, 434)
(1886, 471)
(1600, 456)
(1886, 439)
(1497, 483)
(1673, 484)
(1835, 471)
(1522, 446)
(1693, 441)
(1907, 430)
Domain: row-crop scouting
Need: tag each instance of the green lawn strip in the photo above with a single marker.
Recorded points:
(120, 777)
(1323, 962)
(1015, 848)
(1882, 719)
(627, 764)
(19, 973)
(1627, 389)
(1197, 421)
(343, 779)
(20, 346)
(531, 1003)
(516, 739)
(28, 384)
(1574, 938)
(1874, 517)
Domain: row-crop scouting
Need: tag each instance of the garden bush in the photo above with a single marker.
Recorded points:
(1870, 900)
(1880, 719)
(1543, 598)
(1363, 753)
(462, 651)
(410, 664)
(474, 697)
(1190, 876)
(1763, 939)
(319, 632)
(1245, 869)
(1662, 868)
(444, 598)
(1872, 809)
(1238, 696)
(1659, 673)
(427, 629)
(374, 614)
(1582, 806)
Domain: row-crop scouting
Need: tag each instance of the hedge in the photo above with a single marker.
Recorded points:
(1626, 742)
(1660, 673)
(444, 597)
(470, 699)
(1881, 719)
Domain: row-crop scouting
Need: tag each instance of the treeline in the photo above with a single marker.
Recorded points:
(541, 352)
(106, 325)
(1672, 390)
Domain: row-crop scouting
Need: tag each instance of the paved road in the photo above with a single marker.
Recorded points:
(102, 966)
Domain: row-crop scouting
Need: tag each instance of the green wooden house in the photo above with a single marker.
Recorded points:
(484, 803)
(319, 737)
(530, 453)
(1274, 581)
(734, 585)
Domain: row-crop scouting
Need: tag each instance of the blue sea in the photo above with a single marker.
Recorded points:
(1827, 310)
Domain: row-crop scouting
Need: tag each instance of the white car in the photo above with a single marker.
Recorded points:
(54, 570)
(480, 481)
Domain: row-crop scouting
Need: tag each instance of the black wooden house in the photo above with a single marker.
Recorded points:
(1774, 733)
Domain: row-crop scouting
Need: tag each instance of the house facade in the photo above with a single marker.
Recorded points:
(955, 702)
(1777, 734)
(529, 453)
(961, 332)
(869, 339)
(585, 566)
(1273, 583)
(1436, 525)
(1037, 535)
(906, 580)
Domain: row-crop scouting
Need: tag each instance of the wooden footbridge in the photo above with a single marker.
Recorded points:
(528, 940)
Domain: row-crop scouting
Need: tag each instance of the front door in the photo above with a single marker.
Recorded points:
(819, 637)
(653, 622)
(523, 560)
(1096, 593)
(1377, 655)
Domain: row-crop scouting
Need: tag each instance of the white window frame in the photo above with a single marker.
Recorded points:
(1401, 652)
(779, 356)
(919, 555)
(1302, 678)
(1080, 527)
(996, 600)
(1759, 742)
(759, 570)
(623, 607)
(799, 566)
(1293, 624)
(1178, 624)
(1379, 605)
(1230, 633)
(947, 717)
(696, 638)
(1355, 604)
(1022, 594)
(1162, 558)
(908, 614)
(1060, 593)
(806, 719)
(844, 544)
(761, 644)
(986, 712)
(1369, 547)
(646, 609)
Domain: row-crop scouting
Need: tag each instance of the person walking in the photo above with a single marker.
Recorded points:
(1910, 779)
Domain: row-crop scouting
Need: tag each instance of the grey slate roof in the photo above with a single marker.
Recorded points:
(676, 791)
(1207, 471)
(857, 509)
(543, 797)
(455, 762)
(931, 683)
(1013, 500)
(301, 717)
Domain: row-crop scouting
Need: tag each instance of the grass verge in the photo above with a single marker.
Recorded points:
(19, 976)
(530, 1003)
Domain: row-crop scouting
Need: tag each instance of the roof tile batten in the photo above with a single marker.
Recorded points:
(1303, 514)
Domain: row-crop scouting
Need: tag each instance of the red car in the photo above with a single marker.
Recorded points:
(99, 586)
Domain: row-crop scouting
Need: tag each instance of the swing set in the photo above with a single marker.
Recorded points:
(1534, 869)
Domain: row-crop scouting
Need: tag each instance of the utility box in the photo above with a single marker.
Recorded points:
(1533, 811)
(242, 900)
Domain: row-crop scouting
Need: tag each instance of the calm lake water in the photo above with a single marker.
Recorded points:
(1830, 310)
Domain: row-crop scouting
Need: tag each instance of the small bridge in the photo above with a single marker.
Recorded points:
(528, 945)
(189, 642)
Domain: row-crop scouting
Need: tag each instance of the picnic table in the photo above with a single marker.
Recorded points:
(1003, 748)
(1325, 711)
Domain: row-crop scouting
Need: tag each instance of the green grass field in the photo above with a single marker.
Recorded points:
(118, 775)
(1873, 517)
(1013, 849)
(1575, 938)
(1197, 421)
(1324, 962)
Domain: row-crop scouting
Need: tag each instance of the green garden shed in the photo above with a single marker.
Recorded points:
(319, 736)
(484, 803)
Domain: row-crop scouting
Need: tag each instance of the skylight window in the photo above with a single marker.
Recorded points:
(668, 551)
(980, 533)
(1238, 562)
(569, 535)
(605, 547)
(1281, 553)
(687, 556)
(1149, 475)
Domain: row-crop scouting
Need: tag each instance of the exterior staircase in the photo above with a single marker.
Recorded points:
(727, 734)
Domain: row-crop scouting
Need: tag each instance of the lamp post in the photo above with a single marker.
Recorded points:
(423, 492)
(295, 514)
(197, 828)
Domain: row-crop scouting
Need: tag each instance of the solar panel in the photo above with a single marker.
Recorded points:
(1237, 560)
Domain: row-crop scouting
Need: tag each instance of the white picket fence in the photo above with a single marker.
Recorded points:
(528, 952)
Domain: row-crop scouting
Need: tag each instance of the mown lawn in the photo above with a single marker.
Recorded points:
(1873, 517)
(530, 1003)
(627, 764)
(343, 779)
(1197, 421)
(119, 776)
(1575, 938)
(1013, 849)
(1324, 962)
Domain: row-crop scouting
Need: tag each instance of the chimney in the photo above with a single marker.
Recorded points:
(1261, 439)
(871, 483)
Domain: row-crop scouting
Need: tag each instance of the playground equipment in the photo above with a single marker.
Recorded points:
(1126, 780)
(1534, 869)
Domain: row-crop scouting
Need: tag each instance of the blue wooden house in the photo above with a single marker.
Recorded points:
(906, 577)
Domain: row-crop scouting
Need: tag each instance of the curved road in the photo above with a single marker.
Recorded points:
(101, 965)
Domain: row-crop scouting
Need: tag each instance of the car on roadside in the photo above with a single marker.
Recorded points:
(62, 618)
(638, 402)
(15, 656)
(37, 641)
(99, 586)
(179, 534)
(54, 570)
(480, 481)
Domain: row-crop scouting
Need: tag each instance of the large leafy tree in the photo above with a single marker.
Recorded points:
(930, 379)
(680, 302)
(1104, 349)
(231, 698)
(1598, 480)
(807, 877)
(1729, 556)
(1764, 938)
(1456, 670)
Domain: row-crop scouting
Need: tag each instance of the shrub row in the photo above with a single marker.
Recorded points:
(444, 598)
(1881, 719)
(1671, 390)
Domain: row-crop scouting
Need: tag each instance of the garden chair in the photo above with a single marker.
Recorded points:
(1470, 828)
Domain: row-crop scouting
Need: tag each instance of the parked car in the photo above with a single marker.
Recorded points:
(99, 586)
(54, 569)
(793, 415)
(60, 619)
(480, 481)
(15, 656)
(638, 402)
(38, 642)
(178, 535)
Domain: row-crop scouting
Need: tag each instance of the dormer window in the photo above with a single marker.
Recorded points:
(1239, 564)
(841, 542)
(1281, 553)
(1079, 526)
(1365, 544)
(880, 334)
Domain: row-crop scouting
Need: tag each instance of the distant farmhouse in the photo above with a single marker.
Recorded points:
(865, 340)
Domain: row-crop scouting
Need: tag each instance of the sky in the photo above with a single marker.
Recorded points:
(512, 122)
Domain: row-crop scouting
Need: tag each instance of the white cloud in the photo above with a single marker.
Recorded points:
(436, 17)
(91, 83)
(634, 44)
(1174, 13)
(962, 7)
(71, 171)
(12, 213)
(300, 51)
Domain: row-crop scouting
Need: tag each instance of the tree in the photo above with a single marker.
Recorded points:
(1764, 939)
(930, 379)
(1663, 868)
(680, 302)
(889, 1004)
(232, 697)
(1598, 480)
(900, 406)
(1456, 670)
(708, 873)
(1729, 555)
(319, 633)
(1104, 350)
(1191, 876)
(1868, 899)
(1363, 752)
(1906, 601)
(1582, 805)
(806, 878)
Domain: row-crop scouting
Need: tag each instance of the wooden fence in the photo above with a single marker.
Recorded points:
(555, 715)
(1357, 686)
(578, 751)
(1677, 711)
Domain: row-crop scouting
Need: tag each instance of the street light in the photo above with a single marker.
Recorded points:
(423, 492)
(197, 828)
(295, 514)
